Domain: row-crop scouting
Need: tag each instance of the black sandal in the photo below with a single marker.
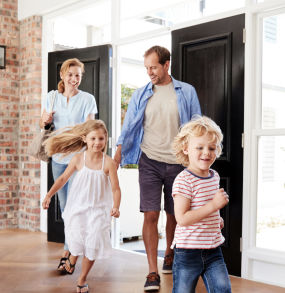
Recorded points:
(82, 287)
(71, 267)
(62, 262)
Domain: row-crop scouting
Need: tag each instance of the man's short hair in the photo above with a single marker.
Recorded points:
(162, 53)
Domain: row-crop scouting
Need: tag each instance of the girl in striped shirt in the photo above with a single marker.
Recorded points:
(198, 199)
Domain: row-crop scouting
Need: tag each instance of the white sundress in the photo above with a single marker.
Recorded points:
(86, 215)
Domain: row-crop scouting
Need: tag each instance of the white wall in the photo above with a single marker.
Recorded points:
(28, 8)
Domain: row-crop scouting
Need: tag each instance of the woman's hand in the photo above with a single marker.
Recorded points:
(115, 212)
(47, 117)
(46, 203)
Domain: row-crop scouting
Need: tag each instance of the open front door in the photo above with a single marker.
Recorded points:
(97, 80)
(210, 56)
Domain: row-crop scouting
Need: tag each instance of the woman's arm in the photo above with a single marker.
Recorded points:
(60, 182)
(46, 118)
(90, 117)
(48, 106)
(112, 168)
(185, 217)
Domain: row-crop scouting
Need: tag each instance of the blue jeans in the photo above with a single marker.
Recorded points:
(190, 264)
(57, 170)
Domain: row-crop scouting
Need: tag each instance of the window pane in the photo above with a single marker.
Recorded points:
(88, 26)
(133, 74)
(273, 72)
(132, 60)
(271, 193)
(144, 16)
(64, 32)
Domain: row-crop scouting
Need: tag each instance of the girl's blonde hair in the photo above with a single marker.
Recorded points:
(198, 126)
(64, 69)
(70, 139)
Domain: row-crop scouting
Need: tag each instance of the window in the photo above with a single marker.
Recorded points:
(148, 15)
(88, 26)
(271, 147)
(273, 72)
(271, 193)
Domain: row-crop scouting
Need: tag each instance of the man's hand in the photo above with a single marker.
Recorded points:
(46, 203)
(118, 155)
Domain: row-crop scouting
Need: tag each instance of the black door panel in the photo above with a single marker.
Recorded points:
(97, 80)
(210, 56)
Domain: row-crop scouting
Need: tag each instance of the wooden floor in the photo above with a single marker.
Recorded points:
(28, 262)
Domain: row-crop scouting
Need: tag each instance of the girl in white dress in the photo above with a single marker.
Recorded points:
(88, 211)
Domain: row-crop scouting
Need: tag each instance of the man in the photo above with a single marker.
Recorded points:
(155, 114)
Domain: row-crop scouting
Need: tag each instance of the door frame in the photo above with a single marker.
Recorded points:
(47, 46)
(256, 261)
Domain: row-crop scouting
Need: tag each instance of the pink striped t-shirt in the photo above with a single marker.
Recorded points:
(205, 234)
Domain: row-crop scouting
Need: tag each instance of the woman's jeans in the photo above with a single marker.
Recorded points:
(57, 170)
(190, 264)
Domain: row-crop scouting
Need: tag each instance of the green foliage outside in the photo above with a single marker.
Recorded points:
(126, 94)
(131, 166)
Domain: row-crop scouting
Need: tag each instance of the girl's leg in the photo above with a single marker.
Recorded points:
(216, 277)
(85, 268)
(187, 267)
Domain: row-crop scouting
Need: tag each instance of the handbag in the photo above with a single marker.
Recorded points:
(36, 148)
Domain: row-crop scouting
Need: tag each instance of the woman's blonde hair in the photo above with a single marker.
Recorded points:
(64, 69)
(70, 139)
(198, 126)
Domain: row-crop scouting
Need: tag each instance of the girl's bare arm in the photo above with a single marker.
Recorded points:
(112, 170)
(60, 182)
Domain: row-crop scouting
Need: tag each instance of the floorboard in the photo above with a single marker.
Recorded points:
(28, 264)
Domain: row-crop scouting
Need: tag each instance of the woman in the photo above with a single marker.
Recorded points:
(71, 106)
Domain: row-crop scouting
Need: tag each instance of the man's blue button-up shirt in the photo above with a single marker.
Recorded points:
(132, 131)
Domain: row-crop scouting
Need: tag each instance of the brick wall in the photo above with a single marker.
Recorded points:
(29, 114)
(20, 106)
(9, 115)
